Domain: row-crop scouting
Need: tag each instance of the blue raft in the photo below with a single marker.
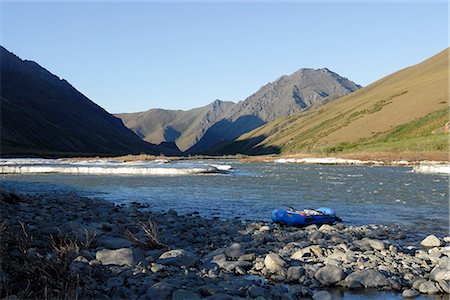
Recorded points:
(306, 217)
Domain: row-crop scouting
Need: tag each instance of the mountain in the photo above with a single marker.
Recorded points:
(202, 129)
(185, 128)
(42, 115)
(405, 111)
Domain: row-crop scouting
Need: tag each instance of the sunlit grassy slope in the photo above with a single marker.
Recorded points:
(405, 111)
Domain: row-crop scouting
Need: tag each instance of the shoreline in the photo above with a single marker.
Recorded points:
(195, 257)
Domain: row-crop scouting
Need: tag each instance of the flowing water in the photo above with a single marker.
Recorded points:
(358, 194)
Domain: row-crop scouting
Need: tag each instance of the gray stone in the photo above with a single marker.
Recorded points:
(439, 273)
(313, 249)
(264, 228)
(255, 291)
(328, 275)
(326, 228)
(234, 251)
(431, 241)
(370, 243)
(178, 258)
(247, 257)
(115, 281)
(416, 284)
(322, 295)
(409, 293)
(182, 294)
(368, 278)
(428, 287)
(445, 286)
(294, 273)
(273, 262)
(124, 256)
(159, 291)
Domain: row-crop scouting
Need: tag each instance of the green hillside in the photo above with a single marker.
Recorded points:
(405, 111)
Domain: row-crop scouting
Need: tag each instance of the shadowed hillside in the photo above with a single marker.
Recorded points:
(44, 115)
(405, 111)
(185, 128)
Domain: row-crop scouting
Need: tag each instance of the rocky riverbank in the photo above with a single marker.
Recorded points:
(67, 246)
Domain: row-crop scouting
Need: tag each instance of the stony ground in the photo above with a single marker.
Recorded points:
(67, 246)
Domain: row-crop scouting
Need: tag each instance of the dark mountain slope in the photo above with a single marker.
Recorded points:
(42, 115)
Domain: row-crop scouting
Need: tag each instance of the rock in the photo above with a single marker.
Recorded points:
(178, 258)
(114, 281)
(255, 291)
(314, 249)
(294, 273)
(264, 228)
(247, 257)
(439, 273)
(326, 228)
(370, 243)
(182, 294)
(273, 262)
(447, 239)
(234, 251)
(416, 284)
(329, 275)
(431, 241)
(159, 291)
(322, 295)
(410, 293)
(124, 256)
(445, 286)
(428, 287)
(368, 278)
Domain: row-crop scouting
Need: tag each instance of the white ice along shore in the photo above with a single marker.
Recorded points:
(327, 161)
(432, 169)
(102, 167)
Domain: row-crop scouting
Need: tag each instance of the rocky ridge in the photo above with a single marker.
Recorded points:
(194, 257)
(202, 129)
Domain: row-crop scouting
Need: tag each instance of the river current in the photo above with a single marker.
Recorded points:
(358, 194)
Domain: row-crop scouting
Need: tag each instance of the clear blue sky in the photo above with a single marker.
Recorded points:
(131, 57)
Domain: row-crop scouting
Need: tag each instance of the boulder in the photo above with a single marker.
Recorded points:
(178, 258)
(159, 291)
(182, 294)
(370, 243)
(123, 256)
(428, 287)
(326, 228)
(322, 295)
(431, 241)
(273, 262)
(234, 251)
(368, 278)
(409, 293)
(440, 273)
(294, 273)
(329, 275)
(255, 291)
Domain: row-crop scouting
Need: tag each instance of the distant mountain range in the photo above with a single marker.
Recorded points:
(203, 129)
(405, 111)
(309, 111)
(43, 115)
